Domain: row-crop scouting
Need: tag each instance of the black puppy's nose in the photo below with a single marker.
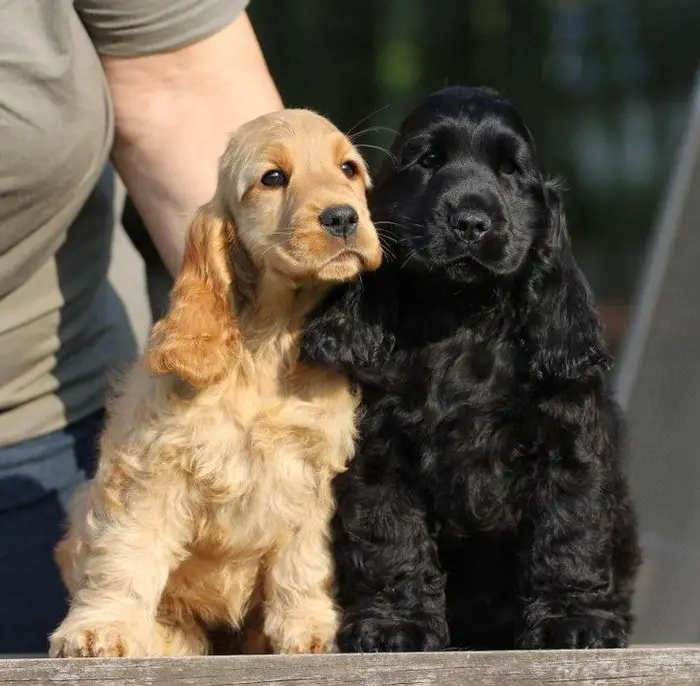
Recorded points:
(472, 223)
(339, 220)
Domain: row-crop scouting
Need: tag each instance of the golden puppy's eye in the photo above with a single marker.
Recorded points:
(274, 178)
(349, 168)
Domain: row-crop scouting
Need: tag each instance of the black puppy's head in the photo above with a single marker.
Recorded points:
(466, 204)
(466, 201)
(466, 193)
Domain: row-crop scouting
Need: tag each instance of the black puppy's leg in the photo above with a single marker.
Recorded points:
(568, 578)
(351, 331)
(390, 588)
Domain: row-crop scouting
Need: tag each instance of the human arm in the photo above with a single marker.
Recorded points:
(174, 111)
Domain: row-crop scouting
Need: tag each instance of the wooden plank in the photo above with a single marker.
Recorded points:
(658, 667)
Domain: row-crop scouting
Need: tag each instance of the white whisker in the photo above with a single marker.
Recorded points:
(348, 133)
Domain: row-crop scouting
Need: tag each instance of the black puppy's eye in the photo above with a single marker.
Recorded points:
(429, 160)
(507, 167)
(274, 178)
(349, 168)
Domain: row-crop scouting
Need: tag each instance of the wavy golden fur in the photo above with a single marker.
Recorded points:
(212, 497)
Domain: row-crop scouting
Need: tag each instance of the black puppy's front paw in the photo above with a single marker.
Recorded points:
(388, 635)
(337, 344)
(576, 632)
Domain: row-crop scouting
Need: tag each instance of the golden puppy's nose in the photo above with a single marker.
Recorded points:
(339, 220)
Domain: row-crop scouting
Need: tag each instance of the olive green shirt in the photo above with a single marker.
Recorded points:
(62, 328)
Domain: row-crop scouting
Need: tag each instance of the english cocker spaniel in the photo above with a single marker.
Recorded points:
(212, 499)
(486, 507)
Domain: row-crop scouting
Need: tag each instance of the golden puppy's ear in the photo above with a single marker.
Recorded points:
(197, 337)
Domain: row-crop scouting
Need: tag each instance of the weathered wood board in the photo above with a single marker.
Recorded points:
(661, 666)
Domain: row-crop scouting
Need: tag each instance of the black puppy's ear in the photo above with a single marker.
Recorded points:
(350, 330)
(563, 328)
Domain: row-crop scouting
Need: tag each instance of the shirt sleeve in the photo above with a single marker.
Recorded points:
(131, 28)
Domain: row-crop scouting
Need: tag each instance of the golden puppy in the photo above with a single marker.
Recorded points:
(213, 495)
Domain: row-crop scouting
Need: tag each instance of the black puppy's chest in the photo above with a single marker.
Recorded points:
(462, 379)
(464, 408)
(465, 368)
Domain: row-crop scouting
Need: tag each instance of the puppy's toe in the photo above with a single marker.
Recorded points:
(296, 633)
(312, 642)
(579, 632)
(389, 636)
(96, 642)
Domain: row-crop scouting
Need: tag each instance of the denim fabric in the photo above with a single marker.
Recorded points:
(37, 479)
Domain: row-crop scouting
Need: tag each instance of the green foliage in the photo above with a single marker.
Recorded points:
(398, 67)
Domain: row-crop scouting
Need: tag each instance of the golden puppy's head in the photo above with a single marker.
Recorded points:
(295, 187)
(291, 201)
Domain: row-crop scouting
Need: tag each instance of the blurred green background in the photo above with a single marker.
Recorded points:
(603, 84)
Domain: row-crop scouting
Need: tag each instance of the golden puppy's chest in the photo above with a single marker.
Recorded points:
(279, 455)
(308, 417)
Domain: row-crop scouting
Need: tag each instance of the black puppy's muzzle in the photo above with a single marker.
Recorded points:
(470, 224)
(474, 215)
(467, 201)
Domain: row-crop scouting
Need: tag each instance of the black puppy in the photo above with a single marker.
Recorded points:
(486, 507)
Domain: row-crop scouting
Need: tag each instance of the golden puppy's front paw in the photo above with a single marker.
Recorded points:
(319, 643)
(110, 640)
(308, 642)
(305, 634)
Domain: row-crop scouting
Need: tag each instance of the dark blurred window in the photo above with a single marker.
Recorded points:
(603, 84)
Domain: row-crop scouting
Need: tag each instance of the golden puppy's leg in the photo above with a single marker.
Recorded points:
(250, 638)
(209, 596)
(128, 552)
(70, 548)
(299, 613)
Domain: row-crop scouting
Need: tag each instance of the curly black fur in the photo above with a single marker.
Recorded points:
(486, 507)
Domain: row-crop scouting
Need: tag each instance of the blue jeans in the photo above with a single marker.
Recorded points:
(37, 479)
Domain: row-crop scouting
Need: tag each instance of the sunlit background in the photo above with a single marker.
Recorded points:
(603, 84)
